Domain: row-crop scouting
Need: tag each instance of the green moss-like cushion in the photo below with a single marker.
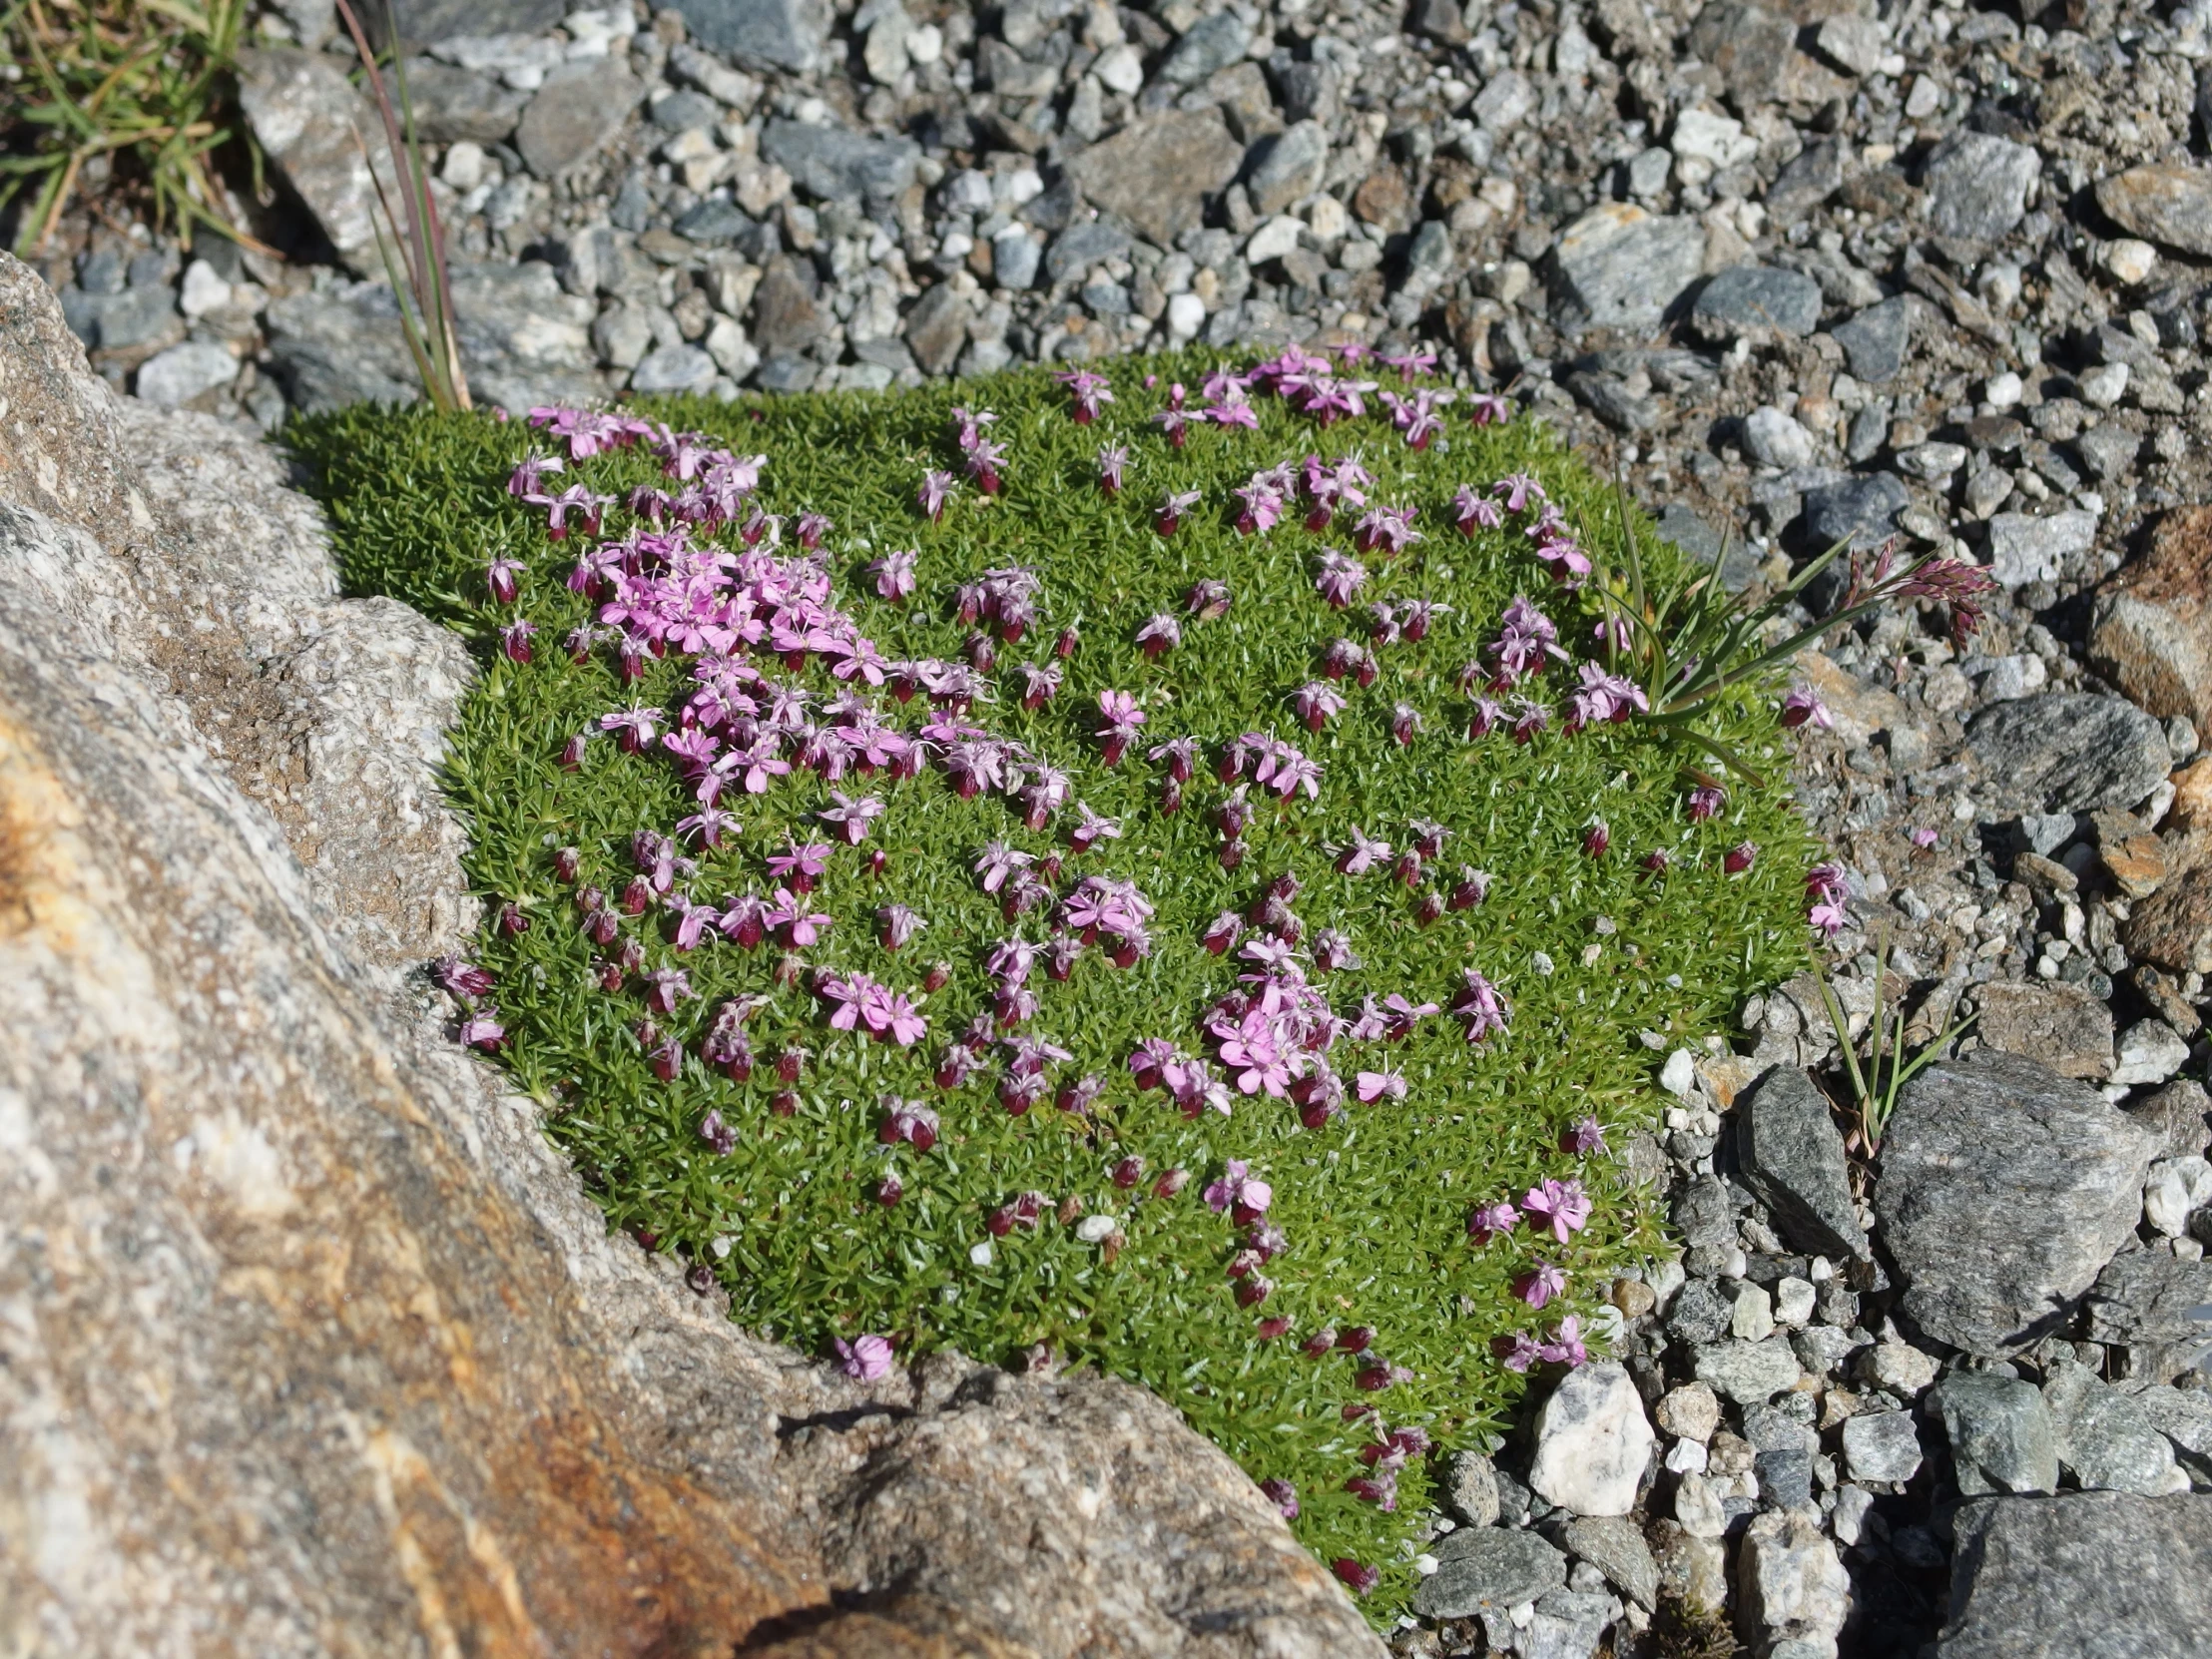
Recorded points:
(777, 1184)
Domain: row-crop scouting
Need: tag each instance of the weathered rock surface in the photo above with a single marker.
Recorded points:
(1157, 172)
(313, 1342)
(1623, 267)
(2151, 631)
(1593, 1442)
(1793, 1160)
(2152, 1303)
(2000, 1433)
(2087, 1573)
(306, 116)
(2058, 1025)
(2068, 751)
(2005, 1189)
(2169, 205)
(1488, 1567)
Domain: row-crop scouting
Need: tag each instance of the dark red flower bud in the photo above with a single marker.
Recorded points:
(1320, 1343)
(1001, 1220)
(1064, 646)
(939, 976)
(1253, 1292)
(567, 862)
(890, 1191)
(637, 898)
(1171, 795)
(1357, 1339)
(1597, 838)
(512, 922)
(783, 1103)
(1128, 1173)
(1360, 1580)
(1267, 1330)
(1170, 1183)
(1431, 907)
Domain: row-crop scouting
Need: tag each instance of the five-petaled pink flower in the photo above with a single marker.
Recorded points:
(936, 487)
(1539, 1283)
(894, 575)
(1804, 707)
(1492, 1221)
(1561, 1205)
(865, 1358)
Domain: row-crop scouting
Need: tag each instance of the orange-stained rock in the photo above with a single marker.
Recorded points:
(2151, 630)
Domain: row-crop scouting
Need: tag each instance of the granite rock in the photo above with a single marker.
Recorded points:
(1978, 184)
(1615, 1547)
(2028, 548)
(2151, 631)
(1157, 172)
(1756, 302)
(2169, 203)
(1790, 1582)
(2151, 1303)
(1875, 340)
(762, 34)
(2004, 1191)
(306, 114)
(2000, 1433)
(2105, 1442)
(1859, 510)
(2054, 1024)
(2068, 751)
(1488, 1568)
(1748, 1373)
(1593, 1442)
(1882, 1446)
(1622, 268)
(833, 164)
(573, 118)
(2088, 1573)
(1792, 1158)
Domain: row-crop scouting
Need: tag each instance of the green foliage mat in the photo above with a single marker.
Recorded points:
(1604, 967)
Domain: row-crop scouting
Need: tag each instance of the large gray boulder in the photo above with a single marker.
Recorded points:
(311, 1343)
(2005, 1189)
(2081, 1575)
(1791, 1156)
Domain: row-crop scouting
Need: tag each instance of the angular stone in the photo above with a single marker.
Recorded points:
(833, 164)
(429, 22)
(762, 34)
(452, 106)
(1622, 268)
(1691, 1411)
(937, 329)
(1789, 1580)
(2171, 204)
(1749, 1372)
(2087, 1573)
(1860, 511)
(2104, 1441)
(1289, 166)
(787, 315)
(1749, 45)
(1157, 172)
(1504, 101)
(2028, 548)
(1470, 1488)
(304, 114)
(1211, 43)
(2151, 631)
(1899, 1368)
(1807, 182)
(1593, 1442)
(1617, 1549)
(1699, 1313)
(1756, 302)
(1978, 184)
(2183, 1416)
(1564, 1624)
(176, 376)
(1083, 244)
(1487, 1568)
(2173, 927)
(2149, 1051)
(571, 120)
(674, 370)
(2004, 1191)
(1691, 1568)
(1791, 1156)
(1875, 340)
(1882, 1446)
(2000, 1433)
(2150, 1303)
(2177, 1115)
(2068, 751)
(2058, 1025)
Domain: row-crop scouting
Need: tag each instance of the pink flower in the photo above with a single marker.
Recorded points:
(1707, 801)
(849, 817)
(1378, 1085)
(1492, 1221)
(1540, 1283)
(1158, 636)
(1090, 393)
(1472, 512)
(1389, 529)
(1361, 855)
(1516, 491)
(1585, 1135)
(1803, 706)
(480, 1030)
(899, 924)
(1826, 880)
(894, 575)
(1488, 409)
(1564, 1346)
(936, 487)
(1113, 461)
(1923, 837)
(1339, 578)
(514, 639)
(1123, 717)
(1480, 1008)
(865, 1359)
(1237, 1192)
(1262, 507)
(799, 867)
(1283, 1495)
(1517, 1351)
(1167, 519)
(499, 579)
(1740, 857)
(1316, 703)
(1561, 1205)
(1404, 723)
(1357, 1579)
(1828, 917)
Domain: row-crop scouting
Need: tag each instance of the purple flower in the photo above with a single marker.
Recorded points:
(1707, 801)
(1517, 1351)
(894, 575)
(1378, 1085)
(865, 1359)
(1283, 1495)
(1388, 529)
(1316, 703)
(899, 924)
(1540, 1283)
(1235, 1191)
(1339, 578)
(1585, 1135)
(1803, 706)
(1828, 917)
(480, 1030)
(1516, 491)
(464, 980)
(936, 486)
(1472, 512)
(1113, 461)
(1492, 1221)
(1090, 393)
(1361, 853)
(849, 817)
(1480, 1007)
(720, 1139)
(1923, 837)
(1159, 635)
(1208, 599)
(1564, 1345)
(1740, 857)
(1561, 1205)
(1167, 519)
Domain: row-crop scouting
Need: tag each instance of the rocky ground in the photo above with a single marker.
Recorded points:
(1802, 275)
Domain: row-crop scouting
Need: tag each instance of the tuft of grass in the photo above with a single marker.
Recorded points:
(1606, 969)
(148, 82)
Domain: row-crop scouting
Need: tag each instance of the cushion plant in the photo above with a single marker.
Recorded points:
(1196, 881)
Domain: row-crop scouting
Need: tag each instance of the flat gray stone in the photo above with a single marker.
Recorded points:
(1875, 340)
(1081, 246)
(2171, 204)
(2183, 1416)
(2083, 1575)
(674, 370)
(2108, 449)
(305, 113)
(1616, 1548)
(1699, 1313)
(1484, 1569)
(1882, 1446)
(427, 22)
(937, 329)
(1470, 1488)
(453, 105)
(1622, 268)
(2032, 548)
(569, 119)
(1978, 186)
(1748, 1373)
(173, 379)
(833, 164)
(2004, 1191)
(1791, 1156)
(1807, 181)
(2068, 751)
(2054, 1024)
(1565, 1624)
(1749, 45)
(1756, 302)
(1157, 172)
(2105, 1439)
(1287, 167)
(2000, 1433)
(2152, 1303)
(1211, 44)
(1859, 510)
(760, 34)
(787, 310)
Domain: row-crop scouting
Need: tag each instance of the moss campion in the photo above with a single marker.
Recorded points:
(1155, 925)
